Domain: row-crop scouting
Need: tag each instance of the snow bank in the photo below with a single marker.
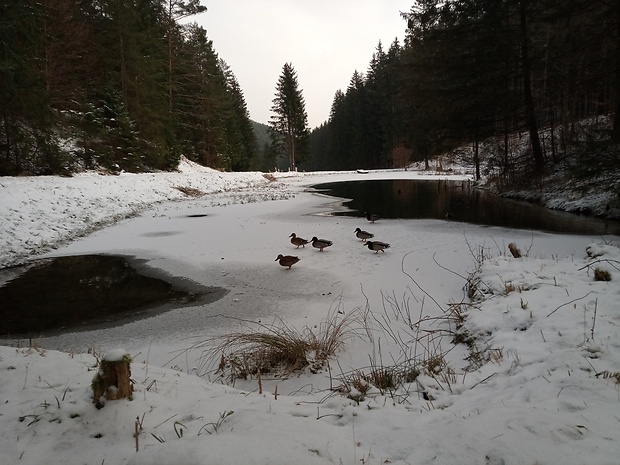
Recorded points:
(538, 381)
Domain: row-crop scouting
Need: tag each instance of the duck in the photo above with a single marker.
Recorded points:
(363, 235)
(287, 260)
(371, 217)
(298, 241)
(321, 243)
(377, 245)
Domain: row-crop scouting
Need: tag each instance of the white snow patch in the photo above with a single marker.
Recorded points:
(542, 385)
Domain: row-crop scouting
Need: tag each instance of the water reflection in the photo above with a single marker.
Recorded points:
(456, 201)
(69, 292)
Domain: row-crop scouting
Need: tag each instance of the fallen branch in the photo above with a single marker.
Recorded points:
(483, 381)
(568, 303)
(611, 262)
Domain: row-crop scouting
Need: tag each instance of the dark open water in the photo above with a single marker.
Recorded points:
(457, 201)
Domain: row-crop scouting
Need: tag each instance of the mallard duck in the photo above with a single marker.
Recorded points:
(298, 241)
(363, 235)
(321, 243)
(377, 245)
(287, 260)
(371, 217)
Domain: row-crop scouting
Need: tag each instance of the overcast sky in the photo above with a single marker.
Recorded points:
(325, 40)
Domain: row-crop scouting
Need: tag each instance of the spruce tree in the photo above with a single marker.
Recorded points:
(242, 143)
(289, 124)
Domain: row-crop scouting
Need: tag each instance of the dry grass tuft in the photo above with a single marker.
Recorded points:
(435, 364)
(610, 375)
(190, 191)
(601, 275)
(383, 378)
(496, 355)
(358, 388)
(278, 348)
(357, 383)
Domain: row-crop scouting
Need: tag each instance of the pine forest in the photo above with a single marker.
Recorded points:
(115, 84)
(131, 85)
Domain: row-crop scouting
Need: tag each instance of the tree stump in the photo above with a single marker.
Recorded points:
(514, 250)
(113, 380)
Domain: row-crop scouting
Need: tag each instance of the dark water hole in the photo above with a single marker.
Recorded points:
(456, 201)
(90, 291)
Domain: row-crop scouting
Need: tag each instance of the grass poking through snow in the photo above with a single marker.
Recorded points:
(278, 348)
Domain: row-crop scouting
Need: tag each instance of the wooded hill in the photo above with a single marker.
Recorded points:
(474, 70)
(130, 85)
(116, 84)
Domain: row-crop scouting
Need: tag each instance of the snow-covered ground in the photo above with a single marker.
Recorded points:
(538, 382)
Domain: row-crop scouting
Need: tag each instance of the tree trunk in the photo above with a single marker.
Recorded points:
(506, 146)
(291, 149)
(615, 133)
(477, 157)
(170, 25)
(530, 114)
(292, 163)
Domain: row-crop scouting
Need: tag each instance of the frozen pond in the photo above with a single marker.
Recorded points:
(233, 247)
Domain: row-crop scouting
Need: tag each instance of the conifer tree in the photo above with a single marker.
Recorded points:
(177, 10)
(337, 134)
(24, 103)
(240, 135)
(289, 124)
(356, 106)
